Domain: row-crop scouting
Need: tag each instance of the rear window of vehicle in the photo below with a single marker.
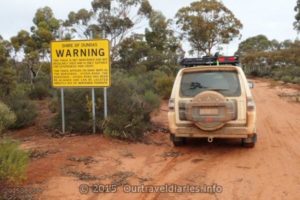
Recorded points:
(224, 82)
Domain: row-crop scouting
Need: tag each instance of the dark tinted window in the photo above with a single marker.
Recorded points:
(224, 82)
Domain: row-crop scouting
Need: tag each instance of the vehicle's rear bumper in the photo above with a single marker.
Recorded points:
(232, 132)
(228, 131)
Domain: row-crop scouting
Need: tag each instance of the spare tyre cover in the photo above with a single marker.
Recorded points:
(210, 110)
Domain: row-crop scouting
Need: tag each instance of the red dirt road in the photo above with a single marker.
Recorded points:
(269, 171)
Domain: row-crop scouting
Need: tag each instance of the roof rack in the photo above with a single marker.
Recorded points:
(210, 61)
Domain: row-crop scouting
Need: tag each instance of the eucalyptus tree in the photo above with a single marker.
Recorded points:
(34, 46)
(111, 19)
(207, 24)
(297, 17)
(7, 73)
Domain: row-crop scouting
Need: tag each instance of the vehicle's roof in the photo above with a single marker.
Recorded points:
(211, 68)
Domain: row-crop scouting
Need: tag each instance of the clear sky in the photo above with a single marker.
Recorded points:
(273, 18)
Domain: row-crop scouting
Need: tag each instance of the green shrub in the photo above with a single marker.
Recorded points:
(23, 107)
(54, 105)
(296, 80)
(131, 99)
(152, 102)
(287, 79)
(163, 84)
(7, 117)
(41, 87)
(7, 80)
(77, 111)
(13, 161)
(286, 74)
(21, 90)
(255, 73)
(131, 102)
(39, 91)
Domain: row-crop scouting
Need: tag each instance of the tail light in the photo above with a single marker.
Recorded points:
(224, 59)
(250, 104)
(171, 104)
(221, 59)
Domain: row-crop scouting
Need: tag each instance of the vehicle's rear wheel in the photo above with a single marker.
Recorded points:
(177, 141)
(250, 141)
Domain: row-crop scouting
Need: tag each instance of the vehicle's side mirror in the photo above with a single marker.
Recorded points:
(251, 84)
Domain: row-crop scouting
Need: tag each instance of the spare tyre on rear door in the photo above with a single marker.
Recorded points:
(210, 110)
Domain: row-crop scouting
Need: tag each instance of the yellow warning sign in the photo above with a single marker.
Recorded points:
(80, 63)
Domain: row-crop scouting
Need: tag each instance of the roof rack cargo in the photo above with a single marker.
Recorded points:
(210, 60)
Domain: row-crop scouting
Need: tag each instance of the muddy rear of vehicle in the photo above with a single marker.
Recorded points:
(212, 102)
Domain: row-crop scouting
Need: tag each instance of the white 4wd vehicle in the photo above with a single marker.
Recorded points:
(212, 102)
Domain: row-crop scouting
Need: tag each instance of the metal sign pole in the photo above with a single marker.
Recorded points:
(105, 89)
(62, 110)
(62, 96)
(105, 102)
(93, 101)
(94, 110)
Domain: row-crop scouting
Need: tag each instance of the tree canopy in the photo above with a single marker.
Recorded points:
(34, 46)
(297, 17)
(114, 18)
(254, 44)
(158, 48)
(207, 24)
